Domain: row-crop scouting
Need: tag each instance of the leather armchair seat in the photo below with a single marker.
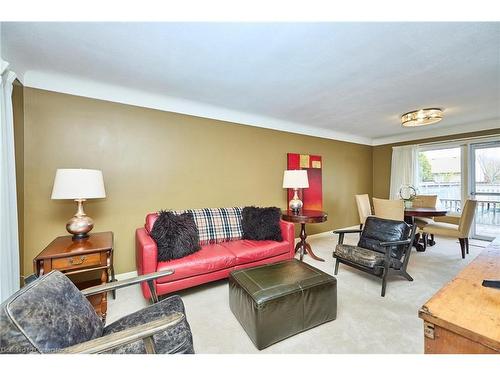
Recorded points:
(368, 258)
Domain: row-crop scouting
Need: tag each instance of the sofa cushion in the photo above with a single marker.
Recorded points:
(210, 258)
(174, 340)
(377, 230)
(261, 223)
(215, 225)
(176, 236)
(247, 251)
(364, 257)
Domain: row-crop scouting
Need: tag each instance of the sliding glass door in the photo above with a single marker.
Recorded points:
(440, 173)
(457, 171)
(485, 188)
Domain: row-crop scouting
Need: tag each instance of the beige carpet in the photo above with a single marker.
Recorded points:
(366, 322)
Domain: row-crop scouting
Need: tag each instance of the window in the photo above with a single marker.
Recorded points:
(440, 173)
(485, 188)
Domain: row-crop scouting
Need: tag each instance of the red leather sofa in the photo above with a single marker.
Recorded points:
(212, 262)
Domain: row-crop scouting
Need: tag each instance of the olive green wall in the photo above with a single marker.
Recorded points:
(382, 157)
(153, 159)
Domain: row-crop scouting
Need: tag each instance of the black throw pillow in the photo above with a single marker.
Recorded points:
(261, 223)
(175, 235)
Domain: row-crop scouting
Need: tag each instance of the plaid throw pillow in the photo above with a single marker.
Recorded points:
(217, 225)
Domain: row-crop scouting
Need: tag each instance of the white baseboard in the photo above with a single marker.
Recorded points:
(126, 275)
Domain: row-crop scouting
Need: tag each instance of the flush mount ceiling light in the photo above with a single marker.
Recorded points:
(422, 117)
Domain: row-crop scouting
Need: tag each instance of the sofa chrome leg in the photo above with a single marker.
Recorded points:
(336, 267)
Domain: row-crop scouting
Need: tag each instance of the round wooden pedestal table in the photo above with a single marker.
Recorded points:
(304, 217)
(413, 212)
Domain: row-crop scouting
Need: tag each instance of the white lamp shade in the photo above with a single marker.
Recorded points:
(295, 179)
(78, 184)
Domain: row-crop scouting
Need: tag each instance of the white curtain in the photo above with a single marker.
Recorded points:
(9, 241)
(403, 168)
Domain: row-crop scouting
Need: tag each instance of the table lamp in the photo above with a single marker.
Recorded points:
(295, 179)
(80, 185)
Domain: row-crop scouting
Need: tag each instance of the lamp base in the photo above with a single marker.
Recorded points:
(80, 224)
(78, 237)
(295, 203)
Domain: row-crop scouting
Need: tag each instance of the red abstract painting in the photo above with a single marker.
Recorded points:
(313, 196)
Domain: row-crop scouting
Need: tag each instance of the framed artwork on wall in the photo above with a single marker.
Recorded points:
(313, 196)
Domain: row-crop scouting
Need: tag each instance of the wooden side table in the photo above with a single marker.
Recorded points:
(305, 217)
(89, 255)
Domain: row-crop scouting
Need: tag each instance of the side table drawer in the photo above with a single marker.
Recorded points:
(77, 261)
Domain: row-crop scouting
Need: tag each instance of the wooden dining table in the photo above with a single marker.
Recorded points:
(412, 212)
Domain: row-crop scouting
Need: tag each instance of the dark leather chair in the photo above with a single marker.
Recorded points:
(50, 315)
(384, 247)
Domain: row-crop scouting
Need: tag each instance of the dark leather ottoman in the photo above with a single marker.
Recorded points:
(275, 301)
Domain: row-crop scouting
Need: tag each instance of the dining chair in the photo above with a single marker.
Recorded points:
(425, 201)
(460, 230)
(392, 209)
(364, 208)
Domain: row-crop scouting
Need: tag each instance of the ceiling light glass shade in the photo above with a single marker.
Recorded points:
(422, 117)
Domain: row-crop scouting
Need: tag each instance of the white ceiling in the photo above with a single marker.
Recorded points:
(348, 81)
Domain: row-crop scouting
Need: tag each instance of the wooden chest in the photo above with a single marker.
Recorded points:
(464, 316)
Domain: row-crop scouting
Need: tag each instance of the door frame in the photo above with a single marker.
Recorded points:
(472, 147)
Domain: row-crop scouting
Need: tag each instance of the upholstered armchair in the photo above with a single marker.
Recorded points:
(460, 230)
(384, 247)
(50, 315)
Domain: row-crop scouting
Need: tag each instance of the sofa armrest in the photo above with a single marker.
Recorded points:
(288, 234)
(146, 256)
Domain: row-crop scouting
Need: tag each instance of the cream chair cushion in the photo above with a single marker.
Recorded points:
(451, 219)
(443, 229)
(364, 208)
(422, 221)
(389, 209)
(425, 201)
(467, 217)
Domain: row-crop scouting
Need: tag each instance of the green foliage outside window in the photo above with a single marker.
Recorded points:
(424, 165)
